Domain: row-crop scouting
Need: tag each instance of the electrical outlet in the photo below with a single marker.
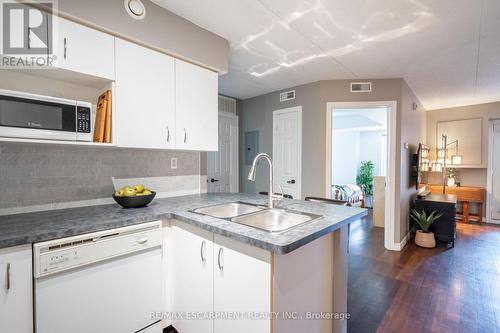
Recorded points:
(173, 163)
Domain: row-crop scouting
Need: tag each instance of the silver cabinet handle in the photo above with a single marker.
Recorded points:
(185, 136)
(7, 277)
(202, 251)
(168, 134)
(220, 258)
(65, 43)
(142, 240)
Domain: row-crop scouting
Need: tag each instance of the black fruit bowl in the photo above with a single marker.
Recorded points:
(136, 201)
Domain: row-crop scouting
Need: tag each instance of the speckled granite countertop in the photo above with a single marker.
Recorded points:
(28, 228)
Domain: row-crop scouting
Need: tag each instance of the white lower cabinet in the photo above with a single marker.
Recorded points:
(16, 290)
(242, 287)
(219, 277)
(191, 273)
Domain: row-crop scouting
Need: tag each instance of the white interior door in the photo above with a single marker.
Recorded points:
(223, 164)
(287, 150)
(495, 194)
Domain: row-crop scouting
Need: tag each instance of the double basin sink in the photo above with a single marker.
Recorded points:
(260, 217)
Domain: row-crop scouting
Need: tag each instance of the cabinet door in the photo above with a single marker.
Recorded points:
(144, 97)
(16, 295)
(84, 50)
(196, 107)
(191, 273)
(242, 285)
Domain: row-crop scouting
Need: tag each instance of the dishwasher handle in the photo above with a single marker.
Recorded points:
(142, 240)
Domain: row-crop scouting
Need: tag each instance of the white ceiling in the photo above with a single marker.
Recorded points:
(447, 50)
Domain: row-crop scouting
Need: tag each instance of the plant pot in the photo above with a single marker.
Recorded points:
(451, 182)
(425, 239)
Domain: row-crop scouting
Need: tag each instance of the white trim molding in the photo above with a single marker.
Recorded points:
(489, 183)
(401, 245)
(390, 202)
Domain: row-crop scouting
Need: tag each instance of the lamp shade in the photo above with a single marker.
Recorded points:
(456, 160)
(437, 167)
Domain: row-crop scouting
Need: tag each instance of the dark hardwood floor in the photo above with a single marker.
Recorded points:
(424, 290)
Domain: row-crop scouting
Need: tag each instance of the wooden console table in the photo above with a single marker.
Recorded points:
(465, 195)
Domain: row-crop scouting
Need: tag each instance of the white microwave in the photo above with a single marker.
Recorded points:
(29, 116)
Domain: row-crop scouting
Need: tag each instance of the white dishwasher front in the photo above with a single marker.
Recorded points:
(104, 282)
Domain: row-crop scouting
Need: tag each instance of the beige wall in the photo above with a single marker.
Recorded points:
(160, 29)
(257, 115)
(473, 176)
(412, 129)
(468, 176)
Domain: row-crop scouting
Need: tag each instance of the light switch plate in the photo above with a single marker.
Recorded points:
(173, 163)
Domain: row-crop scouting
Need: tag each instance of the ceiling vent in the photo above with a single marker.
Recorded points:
(135, 8)
(287, 95)
(361, 87)
(227, 104)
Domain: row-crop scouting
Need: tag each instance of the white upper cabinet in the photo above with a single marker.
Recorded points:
(84, 50)
(144, 100)
(196, 107)
(16, 291)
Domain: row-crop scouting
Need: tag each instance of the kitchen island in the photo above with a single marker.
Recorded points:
(247, 278)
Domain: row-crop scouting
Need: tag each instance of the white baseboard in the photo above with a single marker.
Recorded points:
(400, 246)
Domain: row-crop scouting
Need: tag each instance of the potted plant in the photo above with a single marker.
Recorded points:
(424, 237)
(364, 179)
(452, 175)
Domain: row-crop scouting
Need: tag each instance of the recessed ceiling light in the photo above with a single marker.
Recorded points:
(135, 8)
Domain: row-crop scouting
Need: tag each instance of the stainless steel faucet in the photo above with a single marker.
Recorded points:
(271, 197)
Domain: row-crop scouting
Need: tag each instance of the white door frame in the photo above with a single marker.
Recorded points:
(390, 190)
(236, 176)
(297, 109)
(489, 183)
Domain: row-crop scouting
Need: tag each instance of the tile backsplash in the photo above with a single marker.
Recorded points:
(48, 175)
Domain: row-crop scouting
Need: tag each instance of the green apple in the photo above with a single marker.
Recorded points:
(129, 192)
(119, 193)
(138, 188)
(146, 192)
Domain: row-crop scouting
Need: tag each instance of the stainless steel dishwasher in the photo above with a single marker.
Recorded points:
(104, 282)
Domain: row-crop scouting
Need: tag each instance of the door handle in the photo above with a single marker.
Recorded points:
(168, 134)
(65, 43)
(185, 136)
(7, 277)
(291, 181)
(220, 258)
(213, 180)
(202, 251)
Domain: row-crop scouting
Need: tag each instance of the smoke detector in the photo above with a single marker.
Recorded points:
(135, 8)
